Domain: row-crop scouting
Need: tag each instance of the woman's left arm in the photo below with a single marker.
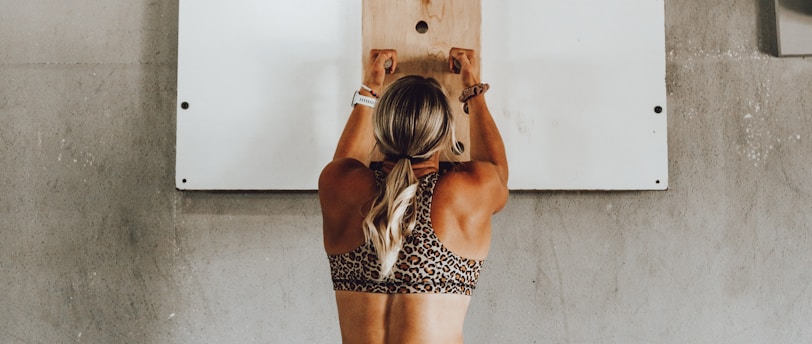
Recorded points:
(356, 140)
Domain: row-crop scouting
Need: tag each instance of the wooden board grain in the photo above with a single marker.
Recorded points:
(448, 23)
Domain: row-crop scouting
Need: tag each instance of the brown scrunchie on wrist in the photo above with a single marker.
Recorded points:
(473, 91)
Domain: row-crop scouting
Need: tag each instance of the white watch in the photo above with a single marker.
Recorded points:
(358, 98)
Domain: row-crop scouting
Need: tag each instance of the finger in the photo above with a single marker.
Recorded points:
(377, 57)
(394, 58)
(464, 60)
(462, 56)
(373, 54)
(452, 57)
(382, 56)
(389, 56)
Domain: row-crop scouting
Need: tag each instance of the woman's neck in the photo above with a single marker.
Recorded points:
(420, 168)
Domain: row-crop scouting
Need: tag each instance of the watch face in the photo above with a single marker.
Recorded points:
(355, 98)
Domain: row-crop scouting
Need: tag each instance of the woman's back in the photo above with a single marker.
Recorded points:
(401, 318)
(460, 223)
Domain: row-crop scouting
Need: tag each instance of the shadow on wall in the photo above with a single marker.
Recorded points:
(155, 261)
(800, 6)
(767, 32)
(766, 25)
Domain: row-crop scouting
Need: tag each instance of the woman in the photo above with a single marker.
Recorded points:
(406, 242)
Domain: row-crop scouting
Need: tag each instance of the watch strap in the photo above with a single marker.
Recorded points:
(358, 98)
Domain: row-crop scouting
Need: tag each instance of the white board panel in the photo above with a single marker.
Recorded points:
(268, 84)
(575, 85)
(574, 91)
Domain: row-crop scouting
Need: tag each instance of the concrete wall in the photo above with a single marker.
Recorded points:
(96, 246)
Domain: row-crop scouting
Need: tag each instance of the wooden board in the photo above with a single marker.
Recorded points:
(423, 32)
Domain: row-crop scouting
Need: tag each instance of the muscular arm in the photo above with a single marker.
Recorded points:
(346, 184)
(356, 140)
(486, 142)
(488, 169)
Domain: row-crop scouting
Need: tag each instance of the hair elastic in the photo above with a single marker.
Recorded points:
(404, 156)
(365, 87)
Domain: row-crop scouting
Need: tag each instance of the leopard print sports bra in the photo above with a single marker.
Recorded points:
(424, 265)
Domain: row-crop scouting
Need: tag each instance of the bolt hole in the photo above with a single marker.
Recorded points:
(458, 148)
(184, 180)
(184, 105)
(422, 27)
(658, 109)
(657, 182)
(457, 67)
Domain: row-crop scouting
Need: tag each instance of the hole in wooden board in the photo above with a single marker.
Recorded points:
(422, 27)
(458, 148)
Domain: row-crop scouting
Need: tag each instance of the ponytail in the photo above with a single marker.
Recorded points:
(393, 215)
(412, 121)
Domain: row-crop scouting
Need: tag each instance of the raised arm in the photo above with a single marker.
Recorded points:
(486, 143)
(356, 140)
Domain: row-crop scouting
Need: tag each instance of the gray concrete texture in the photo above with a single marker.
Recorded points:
(96, 245)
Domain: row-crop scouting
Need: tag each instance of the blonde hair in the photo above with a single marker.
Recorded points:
(412, 121)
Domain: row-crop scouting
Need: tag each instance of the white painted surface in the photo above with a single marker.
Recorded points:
(575, 84)
(268, 85)
(574, 87)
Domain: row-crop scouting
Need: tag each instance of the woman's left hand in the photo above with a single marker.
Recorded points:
(375, 70)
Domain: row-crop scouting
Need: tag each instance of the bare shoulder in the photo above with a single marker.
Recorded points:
(346, 186)
(345, 179)
(477, 180)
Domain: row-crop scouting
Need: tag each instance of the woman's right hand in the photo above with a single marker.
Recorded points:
(468, 65)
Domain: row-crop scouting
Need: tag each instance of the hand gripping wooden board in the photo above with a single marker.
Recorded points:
(423, 32)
